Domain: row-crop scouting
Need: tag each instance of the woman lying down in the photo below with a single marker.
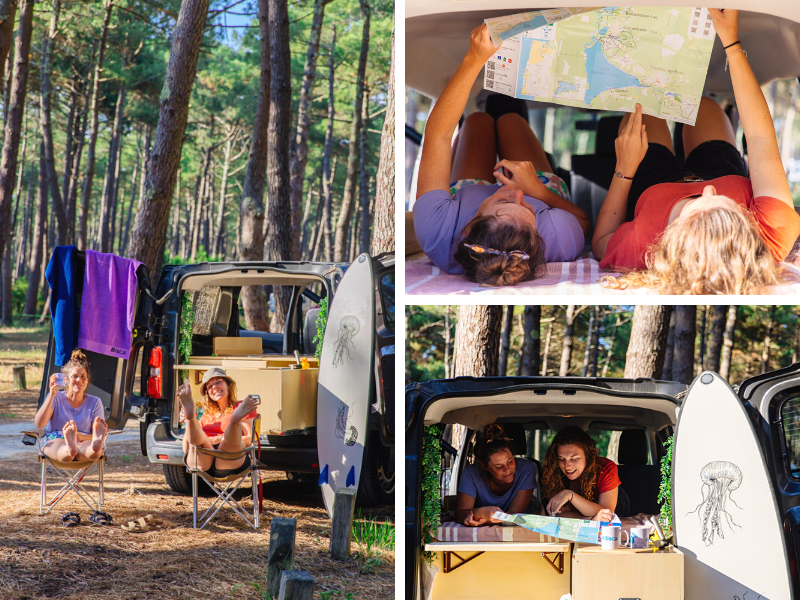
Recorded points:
(576, 483)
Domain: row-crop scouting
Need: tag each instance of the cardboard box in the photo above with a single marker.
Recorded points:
(599, 574)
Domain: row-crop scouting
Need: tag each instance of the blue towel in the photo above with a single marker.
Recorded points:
(60, 275)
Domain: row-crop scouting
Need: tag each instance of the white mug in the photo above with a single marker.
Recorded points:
(61, 381)
(640, 537)
(610, 537)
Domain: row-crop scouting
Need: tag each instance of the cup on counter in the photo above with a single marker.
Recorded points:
(610, 537)
(640, 537)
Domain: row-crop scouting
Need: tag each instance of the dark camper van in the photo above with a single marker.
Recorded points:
(167, 350)
(735, 486)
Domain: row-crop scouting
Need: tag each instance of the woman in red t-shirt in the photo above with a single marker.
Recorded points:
(220, 422)
(577, 483)
(705, 228)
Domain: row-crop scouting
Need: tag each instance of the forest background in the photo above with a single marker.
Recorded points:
(673, 343)
(102, 162)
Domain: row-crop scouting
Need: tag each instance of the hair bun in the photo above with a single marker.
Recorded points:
(78, 356)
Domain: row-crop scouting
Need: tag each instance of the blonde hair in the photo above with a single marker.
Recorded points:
(78, 359)
(212, 406)
(714, 251)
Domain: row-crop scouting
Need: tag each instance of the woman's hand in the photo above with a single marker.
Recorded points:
(559, 500)
(481, 46)
(726, 23)
(631, 144)
(53, 383)
(481, 516)
(520, 175)
(604, 516)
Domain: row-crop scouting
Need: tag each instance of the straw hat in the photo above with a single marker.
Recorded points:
(213, 373)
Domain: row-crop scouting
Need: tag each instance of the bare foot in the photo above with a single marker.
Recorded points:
(245, 407)
(70, 432)
(186, 400)
(99, 429)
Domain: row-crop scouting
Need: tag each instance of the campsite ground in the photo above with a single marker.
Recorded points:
(42, 559)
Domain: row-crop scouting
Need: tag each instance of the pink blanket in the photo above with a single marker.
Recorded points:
(568, 278)
(453, 532)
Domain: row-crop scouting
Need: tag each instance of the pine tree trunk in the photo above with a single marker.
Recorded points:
(219, 228)
(251, 245)
(297, 169)
(148, 239)
(478, 340)
(134, 176)
(505, 340)
(279, 239)
(715, 343)
(589, 339)
(95, 120)
(447, 370)
(767, 340)
(38, 242)
(547, 346)
(106, 212)
(596, 343)
(200, 201)
(69, 145)
(72, 196)
(327, 171)
(685, 332)
(670, 353)
(13, 129)
(363, 178)
(646, 349)
(566, 348)
(7, 317)
(383, 214)
(346, 210)
(305, 251)
(532, 343)
(611, 342)
(59, 211)
(21, 263)
(701, 355)
(8, 12)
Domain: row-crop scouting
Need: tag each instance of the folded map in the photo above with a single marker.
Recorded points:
(605, 59)
(574, 530)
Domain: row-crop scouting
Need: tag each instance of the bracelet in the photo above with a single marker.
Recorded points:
(621, 176)
(739, 49)
(733, 44)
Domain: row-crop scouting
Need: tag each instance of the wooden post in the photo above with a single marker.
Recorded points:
(281, 552)
(296, 585)
(342, 527)
(19, 378)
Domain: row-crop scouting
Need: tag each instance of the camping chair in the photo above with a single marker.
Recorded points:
(225, 487)
(72, 473)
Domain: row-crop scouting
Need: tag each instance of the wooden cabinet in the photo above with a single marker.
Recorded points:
(599, 574)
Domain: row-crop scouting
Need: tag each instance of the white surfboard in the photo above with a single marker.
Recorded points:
(725, 515)
(346, 380)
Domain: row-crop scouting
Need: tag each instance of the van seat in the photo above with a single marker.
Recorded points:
(639, 480)
(309, 331)
(236, 346)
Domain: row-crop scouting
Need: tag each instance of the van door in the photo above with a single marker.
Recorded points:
(346, 381)
(726, 519)
(113, 379)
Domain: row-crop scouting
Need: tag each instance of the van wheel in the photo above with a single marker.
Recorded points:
(178, 479)
(376, 487)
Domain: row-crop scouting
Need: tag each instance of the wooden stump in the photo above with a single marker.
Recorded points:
(19, 378)
(280, 556)
(296, 585)
(342, 527)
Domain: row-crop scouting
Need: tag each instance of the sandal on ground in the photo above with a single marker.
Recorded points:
(101, 518)
(70, 519)
(142, 524)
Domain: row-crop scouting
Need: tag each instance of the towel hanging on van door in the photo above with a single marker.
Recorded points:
(108, 304)
(60, 275)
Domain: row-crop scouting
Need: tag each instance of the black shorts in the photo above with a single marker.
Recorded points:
(709, 160)
(213, 471)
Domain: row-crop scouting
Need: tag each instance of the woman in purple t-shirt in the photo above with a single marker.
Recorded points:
(495, 234)
(74, 419)
(499, 482)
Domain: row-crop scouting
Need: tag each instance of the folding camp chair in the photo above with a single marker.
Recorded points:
(72, 473)
(225, 487)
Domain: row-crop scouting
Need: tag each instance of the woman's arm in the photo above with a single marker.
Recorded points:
(587, 508)
(45, 412)
(767, 174)
(434, 165)
(523, 177)
(631, 146)
(520, 502)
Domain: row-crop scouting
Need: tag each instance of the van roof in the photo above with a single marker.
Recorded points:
(437, 36)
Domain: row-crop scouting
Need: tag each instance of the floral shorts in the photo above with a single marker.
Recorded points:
(53, 435)
(550, 180)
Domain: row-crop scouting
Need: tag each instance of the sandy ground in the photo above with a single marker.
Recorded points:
(40, 558)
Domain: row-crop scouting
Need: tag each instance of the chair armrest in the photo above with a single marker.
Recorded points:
(37, 432)
(113, 432)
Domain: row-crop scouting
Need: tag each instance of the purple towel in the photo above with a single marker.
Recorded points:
(108, 304)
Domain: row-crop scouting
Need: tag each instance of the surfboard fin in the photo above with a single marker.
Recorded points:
(351, 477)
(323, 477)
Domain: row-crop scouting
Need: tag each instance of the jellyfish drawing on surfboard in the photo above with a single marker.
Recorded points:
(720, 478)
(348, 328)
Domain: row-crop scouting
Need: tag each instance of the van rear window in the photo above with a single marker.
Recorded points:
(790, 417)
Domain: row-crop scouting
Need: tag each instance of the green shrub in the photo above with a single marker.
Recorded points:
(665, 489)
